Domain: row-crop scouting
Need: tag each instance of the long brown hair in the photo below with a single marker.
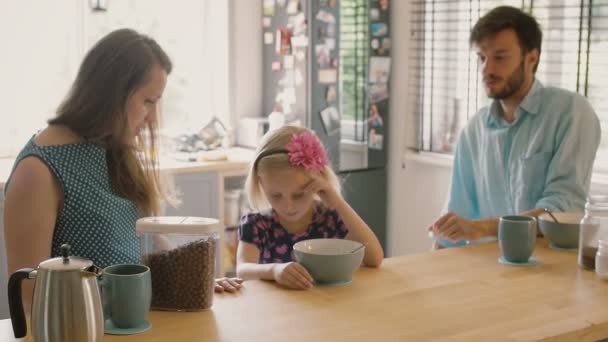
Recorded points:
(95, 108)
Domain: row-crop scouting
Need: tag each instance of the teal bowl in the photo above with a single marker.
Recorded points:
(330, 261)
(563, 234)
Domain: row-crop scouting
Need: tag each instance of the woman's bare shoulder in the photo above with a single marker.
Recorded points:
(57, 135)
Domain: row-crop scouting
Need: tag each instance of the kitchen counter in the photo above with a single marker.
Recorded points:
(458, 294)
(236, 159)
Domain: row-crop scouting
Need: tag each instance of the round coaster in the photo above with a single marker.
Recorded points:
(553, 246)
(531, 262)
(111, 329)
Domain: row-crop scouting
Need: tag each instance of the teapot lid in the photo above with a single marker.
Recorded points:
(65, 262)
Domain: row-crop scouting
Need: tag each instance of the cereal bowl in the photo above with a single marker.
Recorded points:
(563, 234)
(330, 261)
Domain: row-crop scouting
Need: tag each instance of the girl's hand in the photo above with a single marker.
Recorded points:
(326, 192)
(292, 275)
(228, 285)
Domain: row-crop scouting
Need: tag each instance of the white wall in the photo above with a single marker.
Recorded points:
(37, 65)
(416, 190)
(246, 56)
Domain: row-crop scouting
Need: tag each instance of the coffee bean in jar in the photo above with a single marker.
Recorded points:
(183, 278)
(587, 257)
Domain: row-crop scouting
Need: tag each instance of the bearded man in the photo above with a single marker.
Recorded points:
(530, 150)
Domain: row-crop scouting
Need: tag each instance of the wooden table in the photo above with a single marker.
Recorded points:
(459, 294)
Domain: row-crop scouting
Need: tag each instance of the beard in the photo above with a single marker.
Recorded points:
(513, 83)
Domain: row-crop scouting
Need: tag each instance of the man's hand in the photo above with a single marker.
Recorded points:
(455, 228)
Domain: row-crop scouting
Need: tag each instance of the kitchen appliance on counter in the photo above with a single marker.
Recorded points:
(212, 136)
(251, 130)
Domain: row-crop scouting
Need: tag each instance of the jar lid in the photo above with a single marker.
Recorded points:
(177, 224)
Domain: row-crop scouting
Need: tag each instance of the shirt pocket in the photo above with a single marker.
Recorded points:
(530, 178)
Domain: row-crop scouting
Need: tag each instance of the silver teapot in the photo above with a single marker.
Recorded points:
(66, 305)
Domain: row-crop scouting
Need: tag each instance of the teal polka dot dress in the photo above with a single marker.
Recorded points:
(97, 223)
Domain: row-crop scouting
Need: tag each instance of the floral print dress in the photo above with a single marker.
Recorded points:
(275, 243)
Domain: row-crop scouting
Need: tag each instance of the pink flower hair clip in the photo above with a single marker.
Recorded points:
(304, 150)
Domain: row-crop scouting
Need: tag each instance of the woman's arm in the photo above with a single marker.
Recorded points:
(32, 202)
(291, 274)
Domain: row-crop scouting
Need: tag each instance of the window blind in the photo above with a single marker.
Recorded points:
(445, 88)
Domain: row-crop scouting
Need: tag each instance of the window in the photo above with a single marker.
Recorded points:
(446, 89)
(194, 34)
(354, 56)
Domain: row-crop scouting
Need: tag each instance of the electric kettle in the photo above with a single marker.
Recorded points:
(66, 305)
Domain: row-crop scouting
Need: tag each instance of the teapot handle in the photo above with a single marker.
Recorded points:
(15, 302)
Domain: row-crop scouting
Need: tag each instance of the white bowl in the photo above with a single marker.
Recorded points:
(330, 261)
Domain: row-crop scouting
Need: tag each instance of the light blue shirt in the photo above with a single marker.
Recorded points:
(543, 159)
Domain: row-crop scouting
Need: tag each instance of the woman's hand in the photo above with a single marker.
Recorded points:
(292, 275)
(231, 285)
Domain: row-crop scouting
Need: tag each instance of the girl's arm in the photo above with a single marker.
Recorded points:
(359, 231)
(247, 267)
(291, 274)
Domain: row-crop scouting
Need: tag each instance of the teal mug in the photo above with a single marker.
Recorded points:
(517, 237)
(127, 294)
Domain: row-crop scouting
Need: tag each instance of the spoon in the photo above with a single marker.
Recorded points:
(358, 248)
(551, 214)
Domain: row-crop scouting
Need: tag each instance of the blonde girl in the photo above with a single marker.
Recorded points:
(297, 197)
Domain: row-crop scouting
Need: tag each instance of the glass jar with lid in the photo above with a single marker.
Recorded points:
(593, 227)
(184, 256)
(601, 260)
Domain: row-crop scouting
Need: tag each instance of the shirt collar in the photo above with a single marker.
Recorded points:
(530, 104)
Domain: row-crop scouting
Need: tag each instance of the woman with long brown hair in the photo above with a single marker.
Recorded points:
(90, 174)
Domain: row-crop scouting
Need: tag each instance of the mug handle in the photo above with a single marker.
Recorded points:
(104, 291)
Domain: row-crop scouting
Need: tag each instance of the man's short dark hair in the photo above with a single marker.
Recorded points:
(507, 17)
